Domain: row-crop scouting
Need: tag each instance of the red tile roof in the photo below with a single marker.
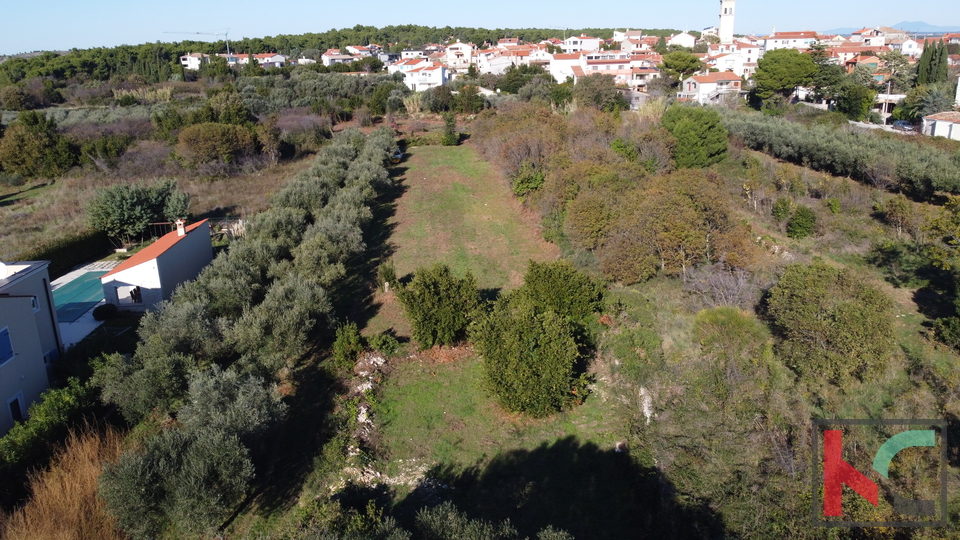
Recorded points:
(948, 116)
(717, 77)
(154, 250)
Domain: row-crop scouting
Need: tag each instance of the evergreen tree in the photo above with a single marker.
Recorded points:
(662, 45)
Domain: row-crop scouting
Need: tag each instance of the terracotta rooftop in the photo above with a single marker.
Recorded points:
(949, 116)
(154, 250)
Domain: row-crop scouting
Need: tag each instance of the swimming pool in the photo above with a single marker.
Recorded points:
(77, 297)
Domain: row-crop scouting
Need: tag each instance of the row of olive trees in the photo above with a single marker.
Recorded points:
(533, 340)
(213, 354)
(920, 168)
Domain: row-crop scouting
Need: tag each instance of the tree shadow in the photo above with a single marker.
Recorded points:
(12, 198)
(298, 441)
(354, 296)
(220, 212)
(578, 487)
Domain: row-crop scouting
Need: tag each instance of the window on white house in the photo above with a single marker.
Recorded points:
(6, 346)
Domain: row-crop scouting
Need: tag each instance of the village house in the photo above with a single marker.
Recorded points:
(431, 75)
(29, 337)
(709, 88)
(945, 124)
(459, 55)
(789, 40)
(583, 42)
(152, 274)
(682, 39)
(357, 50)
(193, 61)
(334, 56)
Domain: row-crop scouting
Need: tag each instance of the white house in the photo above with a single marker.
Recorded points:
(710, 87)
(562, 66)
(945, 124)
(789, 40)
(411, 53)
(193, 61)
(583, 42)
(358, 50)
(459, 55)
(429, 76)
(151, 275)
(682, 39)
(492, 61)
(29, 337)
(907, 46)
(406, 65)
(334, 56)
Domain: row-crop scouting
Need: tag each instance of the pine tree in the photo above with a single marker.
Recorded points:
(938, 68)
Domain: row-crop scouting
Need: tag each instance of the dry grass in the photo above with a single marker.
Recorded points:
(64, 505)
(52, 211)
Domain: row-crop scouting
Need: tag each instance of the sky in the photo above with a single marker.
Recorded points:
(67, 24)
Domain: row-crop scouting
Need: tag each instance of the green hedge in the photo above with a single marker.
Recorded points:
(66, 252)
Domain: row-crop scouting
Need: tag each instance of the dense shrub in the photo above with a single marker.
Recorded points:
(52, 415)
(831, 322)
(33, 147)
(559, 287)
(211, 142)
(439, 305)
(348, 345)
(124, 211)
(802, 223)
(529, 354)
(701, 137)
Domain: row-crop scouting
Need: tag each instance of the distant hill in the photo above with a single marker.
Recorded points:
(916, 27)
(920, 26)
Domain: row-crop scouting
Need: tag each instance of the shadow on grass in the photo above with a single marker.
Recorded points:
(578, 487)
(354, 298)
(11, 198)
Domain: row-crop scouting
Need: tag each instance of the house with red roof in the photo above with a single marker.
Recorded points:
(429, 75)
(789, 40)
(152, 274)
(710, 88)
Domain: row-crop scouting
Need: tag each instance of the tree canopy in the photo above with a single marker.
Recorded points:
(782, 70)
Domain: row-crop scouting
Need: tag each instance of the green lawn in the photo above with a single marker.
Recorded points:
(458, 211)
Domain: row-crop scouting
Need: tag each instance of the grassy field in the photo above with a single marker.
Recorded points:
(457, 211)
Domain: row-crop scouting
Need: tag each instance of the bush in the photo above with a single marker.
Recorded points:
(529, 354)
(124, 211)
(104, 312)
(11, 179)
(439, 305)
(782, 209)
(348, 345)
(833, 325)
(48, 420)
(802, 223)
(212, 142)
(384, 343)
(33, 147)
(527, 179)
(701, 137)
(450, 135)
(559, 287)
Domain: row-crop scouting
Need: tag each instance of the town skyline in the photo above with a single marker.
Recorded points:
(69, 25)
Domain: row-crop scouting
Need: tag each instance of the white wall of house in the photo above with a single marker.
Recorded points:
(580, 43)
(23, 374)
(683, 40)
(193, 61)
(117, 287)
(185, 259)
(942, 128)
(32, 279)
(427, 77)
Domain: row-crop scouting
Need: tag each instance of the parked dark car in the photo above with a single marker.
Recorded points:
(903, 125)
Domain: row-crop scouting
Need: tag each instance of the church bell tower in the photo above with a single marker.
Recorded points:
(726, 21)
